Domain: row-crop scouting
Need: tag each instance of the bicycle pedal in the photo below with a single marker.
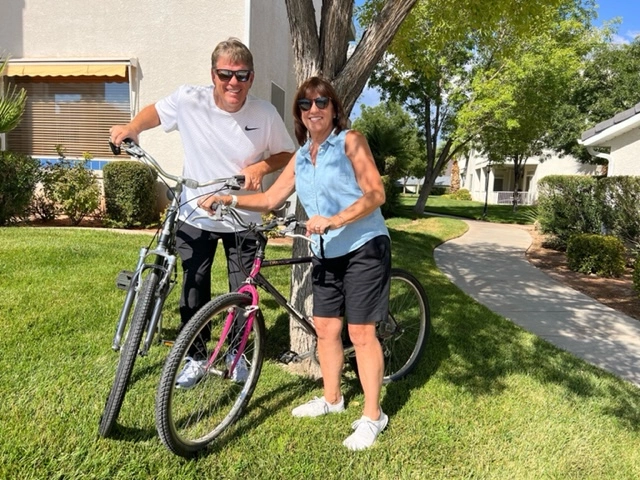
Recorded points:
(123, 280)
(289, 357)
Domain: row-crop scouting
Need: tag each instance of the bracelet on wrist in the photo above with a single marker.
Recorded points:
(234, 201)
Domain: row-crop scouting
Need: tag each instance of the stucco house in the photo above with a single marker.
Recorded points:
(89, 65)
(621, 134)
(495, 184)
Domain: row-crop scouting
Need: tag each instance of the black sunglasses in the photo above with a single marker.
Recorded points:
(305, 103)
(226, 75)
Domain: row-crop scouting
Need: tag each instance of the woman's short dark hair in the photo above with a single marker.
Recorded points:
(324, 89)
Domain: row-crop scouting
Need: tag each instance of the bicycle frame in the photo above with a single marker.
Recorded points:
(254, 279)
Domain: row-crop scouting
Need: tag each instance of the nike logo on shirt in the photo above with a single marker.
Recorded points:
(248, 129)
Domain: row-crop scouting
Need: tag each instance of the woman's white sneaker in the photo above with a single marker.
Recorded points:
(366, 432)
(317, 407)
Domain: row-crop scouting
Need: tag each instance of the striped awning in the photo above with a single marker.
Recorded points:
(66, 69)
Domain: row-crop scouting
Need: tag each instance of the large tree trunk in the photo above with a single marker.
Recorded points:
(302, 300)
(323, 51)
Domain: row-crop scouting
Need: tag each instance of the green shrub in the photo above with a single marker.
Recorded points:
(439, 190)
(18, 178)
(129, 194)
(76, 190)
(69, 188)
(567, 205)
(600, 254)
(462, 194)
(619, 199)
(392, 193)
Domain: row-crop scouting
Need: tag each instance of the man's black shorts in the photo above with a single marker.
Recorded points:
(355, 285)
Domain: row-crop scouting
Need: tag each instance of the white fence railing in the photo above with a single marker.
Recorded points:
(503, 198)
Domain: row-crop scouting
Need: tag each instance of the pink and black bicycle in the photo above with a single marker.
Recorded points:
(228, 334)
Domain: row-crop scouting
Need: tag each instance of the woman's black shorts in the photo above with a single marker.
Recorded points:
(355, 285)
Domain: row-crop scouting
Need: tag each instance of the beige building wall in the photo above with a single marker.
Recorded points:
(625, 154)
(172, 41)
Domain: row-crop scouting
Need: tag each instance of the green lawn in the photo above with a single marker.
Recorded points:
(487, 401)
(524, 214)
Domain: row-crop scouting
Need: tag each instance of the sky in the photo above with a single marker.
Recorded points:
(628, 10)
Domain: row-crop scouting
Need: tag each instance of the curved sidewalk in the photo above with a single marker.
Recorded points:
(488, 263)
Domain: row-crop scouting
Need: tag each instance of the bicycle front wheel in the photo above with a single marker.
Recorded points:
(129, 352)
(189, 419)
(404, 334)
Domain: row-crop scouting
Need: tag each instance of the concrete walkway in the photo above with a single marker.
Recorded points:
(488, 263)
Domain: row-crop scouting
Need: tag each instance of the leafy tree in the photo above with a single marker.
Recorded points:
(516, 98)
(454, 82)
(608, 84)
(430, 84)
(392, 135)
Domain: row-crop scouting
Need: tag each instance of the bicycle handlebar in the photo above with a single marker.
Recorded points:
(235, 182)
(290, 222)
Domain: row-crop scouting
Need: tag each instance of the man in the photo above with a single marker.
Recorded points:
(225, 131)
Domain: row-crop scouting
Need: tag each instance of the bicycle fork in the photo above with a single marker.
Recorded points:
(131, 282)
(128, 281)
(247, 317)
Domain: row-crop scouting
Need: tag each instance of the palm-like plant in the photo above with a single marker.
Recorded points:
(12, 104)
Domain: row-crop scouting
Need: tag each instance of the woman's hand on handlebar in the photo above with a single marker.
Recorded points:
(319, 225)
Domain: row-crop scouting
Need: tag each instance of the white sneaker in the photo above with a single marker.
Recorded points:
(191, 374)
(240, 371)
(366, 432)
(317, 407)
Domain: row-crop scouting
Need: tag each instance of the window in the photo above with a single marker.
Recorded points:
(498, 184)
(75, 112)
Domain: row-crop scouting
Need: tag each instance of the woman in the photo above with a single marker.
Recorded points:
(337, 181)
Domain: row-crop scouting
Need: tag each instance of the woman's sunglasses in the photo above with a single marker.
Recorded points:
(226, 75)
(305, 103)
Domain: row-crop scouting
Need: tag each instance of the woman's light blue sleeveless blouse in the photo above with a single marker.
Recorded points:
(330, 187)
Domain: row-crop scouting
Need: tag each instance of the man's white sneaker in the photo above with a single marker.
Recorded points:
(191, 374)
(366, 432)
(240, 371)
(317, 407)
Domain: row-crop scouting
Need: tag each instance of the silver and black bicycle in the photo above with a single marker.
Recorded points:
(148, 285)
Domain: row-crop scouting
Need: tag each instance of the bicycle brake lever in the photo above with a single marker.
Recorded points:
(238, 182)
(218, 213)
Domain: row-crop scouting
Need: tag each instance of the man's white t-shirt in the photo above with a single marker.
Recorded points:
(219, 144)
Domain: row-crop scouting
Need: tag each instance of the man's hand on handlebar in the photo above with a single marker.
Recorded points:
(210, 202)
(253, 175)
(118, 133)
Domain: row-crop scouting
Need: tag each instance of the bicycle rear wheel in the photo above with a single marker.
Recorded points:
(188, 420)
(129, 352)
(404, 333)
